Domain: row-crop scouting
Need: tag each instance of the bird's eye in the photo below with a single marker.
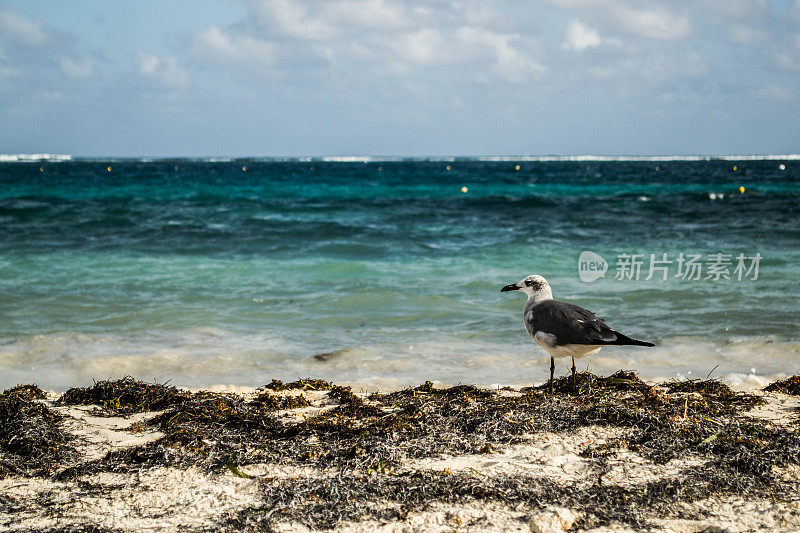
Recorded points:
(528, 282)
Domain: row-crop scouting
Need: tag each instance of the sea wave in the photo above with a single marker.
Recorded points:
(207, 356)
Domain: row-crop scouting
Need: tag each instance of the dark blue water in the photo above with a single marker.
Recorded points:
(240, 271)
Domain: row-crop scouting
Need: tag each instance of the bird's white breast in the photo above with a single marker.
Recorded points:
(548, 342)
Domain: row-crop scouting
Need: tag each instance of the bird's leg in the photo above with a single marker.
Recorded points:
(573, 374)
(552, 369)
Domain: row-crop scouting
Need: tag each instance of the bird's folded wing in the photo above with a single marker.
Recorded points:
(569, 323)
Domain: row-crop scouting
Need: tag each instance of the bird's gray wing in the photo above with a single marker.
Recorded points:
(569, 323)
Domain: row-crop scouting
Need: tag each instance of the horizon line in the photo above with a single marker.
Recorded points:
(52, 157)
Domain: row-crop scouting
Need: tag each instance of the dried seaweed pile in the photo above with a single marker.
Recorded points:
(31, 441)
(125, 396)
(324, 503)
(787, 386)
(300, 384)
(210, 428)
(664, 423)
(362, 445)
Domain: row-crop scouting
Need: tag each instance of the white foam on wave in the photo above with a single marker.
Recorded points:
(503, 158)
(534, 158)
(33, 158)
(348, 159)
(207, 355)
(433, 158)
(741, 381)
(653, 158)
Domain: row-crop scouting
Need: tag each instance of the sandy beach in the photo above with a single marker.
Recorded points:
(618, 454)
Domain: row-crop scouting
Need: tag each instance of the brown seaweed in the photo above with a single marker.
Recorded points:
(369, 441)
(125, 396)
(787, 386)
(32, 443)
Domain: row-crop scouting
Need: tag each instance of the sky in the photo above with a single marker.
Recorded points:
(399, 77)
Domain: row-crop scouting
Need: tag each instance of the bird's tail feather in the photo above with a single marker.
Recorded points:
(624, 340)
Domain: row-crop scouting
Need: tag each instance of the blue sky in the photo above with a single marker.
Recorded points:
(399, 77)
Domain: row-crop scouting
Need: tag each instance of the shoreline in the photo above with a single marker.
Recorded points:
(737, 381)
(620, 454)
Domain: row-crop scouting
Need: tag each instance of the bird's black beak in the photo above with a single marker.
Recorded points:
(512, 287)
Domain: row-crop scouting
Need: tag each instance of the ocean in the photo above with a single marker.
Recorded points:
(387, 272)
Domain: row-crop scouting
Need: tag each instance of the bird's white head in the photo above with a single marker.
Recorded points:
(535, 286)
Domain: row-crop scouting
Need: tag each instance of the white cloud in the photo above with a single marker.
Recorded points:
(648, 19)
(509, 61)
(21, 29)
(351, 38)
(580, 37)
(226, 46)
(77, 68)
(426, 47)
(654, 23)
(332, 19)
(165, 70)
(147, 64)
(291, 18)
(371, 14)
(31, 51)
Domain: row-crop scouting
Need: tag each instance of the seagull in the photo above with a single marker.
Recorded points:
(562, 329)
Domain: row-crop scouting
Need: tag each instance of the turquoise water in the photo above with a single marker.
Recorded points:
(241, 271)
